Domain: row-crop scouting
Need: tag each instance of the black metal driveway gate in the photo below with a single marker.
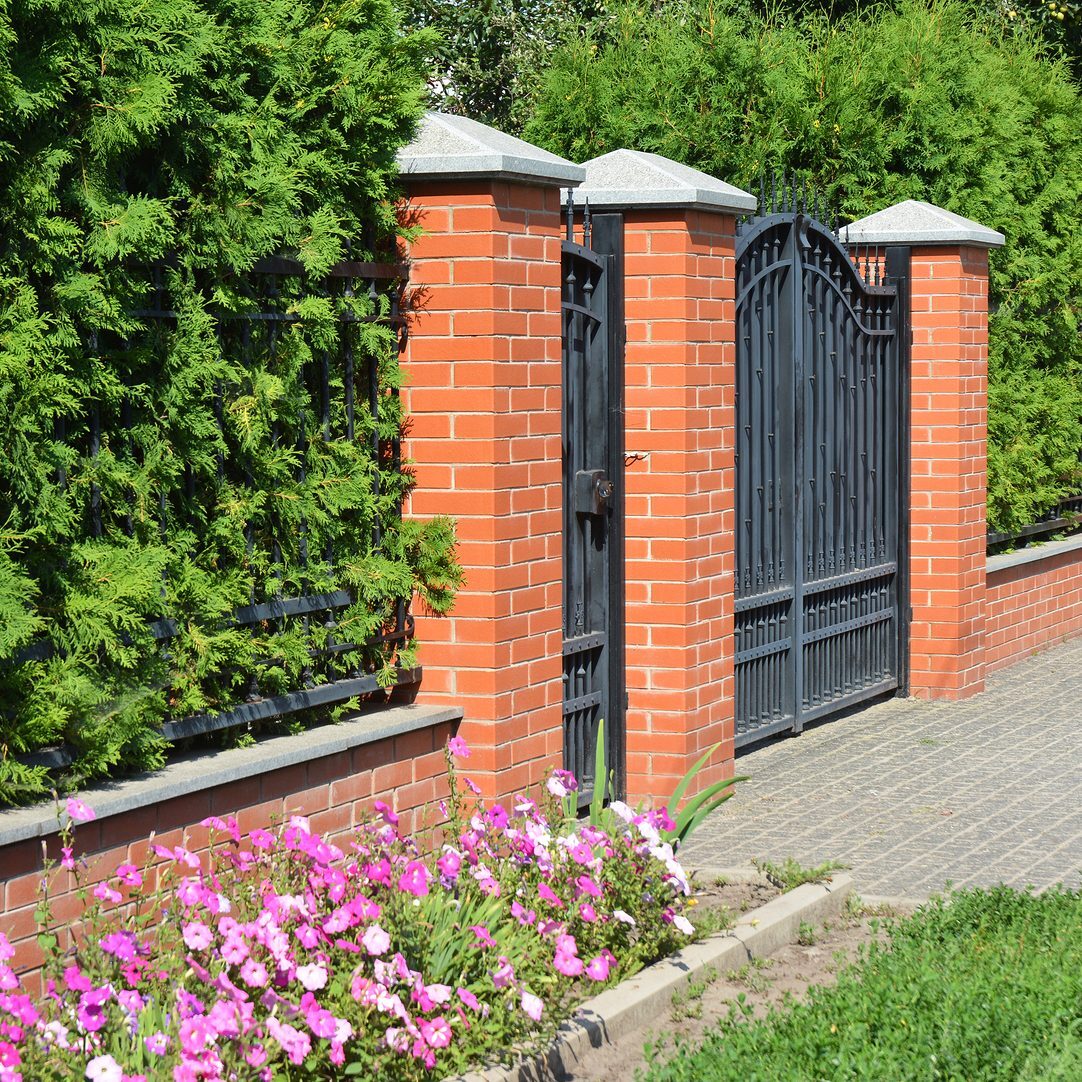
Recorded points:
(593, 459)
(822, 362)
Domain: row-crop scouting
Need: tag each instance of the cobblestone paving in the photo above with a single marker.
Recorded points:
(913, 794)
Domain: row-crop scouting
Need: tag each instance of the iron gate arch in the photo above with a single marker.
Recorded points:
(822, 365)
(593, 513)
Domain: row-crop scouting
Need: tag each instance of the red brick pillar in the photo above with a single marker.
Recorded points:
(679, 241)
(483, 396)
(948, 440)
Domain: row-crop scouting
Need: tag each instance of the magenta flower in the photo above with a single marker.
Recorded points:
(469, 999)
(129, 875)
(587, 912)
(261, 839)
(436, 1032)
(106, 893)
(294, 1043)
(197, 935)
(472, 786)
(91, 1009)
(7, 951)
(66, 859)
(568, 964)
(195, 1034)
(498, 817)
(547, 894)
(254, 974)
(414, 880)
(483, 938)
(78, 812)
(121, 945)
(458, 747)
(588, 886)
(449, 864)
(234, 951)
(386, 812)
(597, 969)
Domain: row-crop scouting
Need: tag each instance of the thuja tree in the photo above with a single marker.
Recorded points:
(167, 457)
(920, 100)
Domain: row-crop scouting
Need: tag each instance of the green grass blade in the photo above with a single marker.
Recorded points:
(685, 781)
(601, 776)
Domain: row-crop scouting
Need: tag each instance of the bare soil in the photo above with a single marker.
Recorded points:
(711, 996)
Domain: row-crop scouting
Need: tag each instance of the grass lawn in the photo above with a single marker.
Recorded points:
(986, 984)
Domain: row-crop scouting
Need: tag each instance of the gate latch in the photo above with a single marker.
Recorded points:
(593, 491)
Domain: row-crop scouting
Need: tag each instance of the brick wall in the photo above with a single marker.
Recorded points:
(680, 399)
(949, 421)
(335, 791)
(484, 397)
(1032, 606)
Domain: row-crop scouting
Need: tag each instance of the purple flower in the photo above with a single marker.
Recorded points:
(91, 1009)
(458, 747)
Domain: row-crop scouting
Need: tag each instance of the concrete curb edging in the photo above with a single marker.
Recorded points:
(633, 1002)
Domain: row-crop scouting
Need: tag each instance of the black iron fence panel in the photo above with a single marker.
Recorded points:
(593, 583)
(259, 503)
(820, 359)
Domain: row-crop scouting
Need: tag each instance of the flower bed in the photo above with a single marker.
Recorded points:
(283, 955)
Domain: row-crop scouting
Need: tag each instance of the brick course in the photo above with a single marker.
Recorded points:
(1032, 606)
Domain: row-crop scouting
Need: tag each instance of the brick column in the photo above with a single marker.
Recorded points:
(948, 440)
(483, 395)
(679, 244)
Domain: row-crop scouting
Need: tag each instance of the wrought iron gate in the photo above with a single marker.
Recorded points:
(822, 356)
(593, 433)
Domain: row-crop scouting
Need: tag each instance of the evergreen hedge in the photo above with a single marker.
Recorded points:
(198, 137)
(923, 99)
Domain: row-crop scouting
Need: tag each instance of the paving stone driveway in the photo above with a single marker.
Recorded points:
(912, 794)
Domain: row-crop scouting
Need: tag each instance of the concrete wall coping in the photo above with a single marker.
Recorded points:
(206, 770)
(450, 147)
(1033, 555)
(914, 221)
(630, 179)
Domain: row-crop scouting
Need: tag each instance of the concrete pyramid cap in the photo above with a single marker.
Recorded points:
(448, 146)
(635, 178)
(915, 222)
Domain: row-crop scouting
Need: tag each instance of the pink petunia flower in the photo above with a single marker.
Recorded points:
(129, 875)
(458, 747)
(197, 935)
(375, 940)
(468, 998)
(436, 1032)
(567, 964)
(78, 812)
(414, 880)
(597, 969)
(254, 974)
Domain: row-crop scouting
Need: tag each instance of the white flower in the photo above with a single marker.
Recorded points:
(313, 976)
(621, 810)
(681, 922)
(624, 918)
(557, 787)
(104, 1069)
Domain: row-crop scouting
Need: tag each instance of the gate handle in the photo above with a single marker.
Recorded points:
(593, 492)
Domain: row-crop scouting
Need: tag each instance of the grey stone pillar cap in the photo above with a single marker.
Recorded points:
(451, 147)
(634, 178)
(915, 222)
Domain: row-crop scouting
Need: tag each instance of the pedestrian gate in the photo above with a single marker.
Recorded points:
(593, 459)
(822, 353)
